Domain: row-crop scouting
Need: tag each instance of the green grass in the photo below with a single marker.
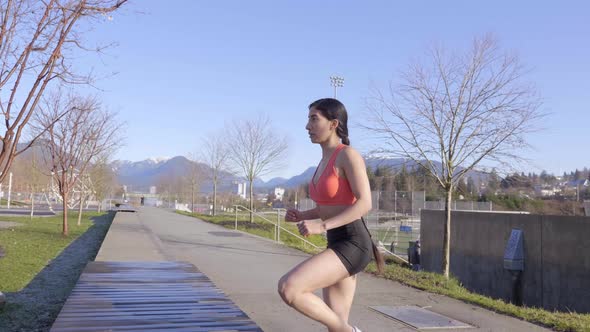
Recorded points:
(4, 202)
(436, 283)
(263, 228)
(41, 266)
(29, 247)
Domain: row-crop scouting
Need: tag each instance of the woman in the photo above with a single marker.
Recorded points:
(340, 188)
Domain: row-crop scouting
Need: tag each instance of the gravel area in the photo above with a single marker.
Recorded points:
(35, 307)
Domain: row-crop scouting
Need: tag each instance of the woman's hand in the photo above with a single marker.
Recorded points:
(307, 228)
(293, 215)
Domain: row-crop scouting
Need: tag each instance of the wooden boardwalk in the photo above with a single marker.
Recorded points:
(148, 296)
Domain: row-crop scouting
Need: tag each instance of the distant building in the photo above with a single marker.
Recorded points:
(261, 197)
(546, 191)
(152, 190)
(242, 189)
(279, 193)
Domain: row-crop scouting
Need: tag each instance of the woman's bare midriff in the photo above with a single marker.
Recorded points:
(329, 211)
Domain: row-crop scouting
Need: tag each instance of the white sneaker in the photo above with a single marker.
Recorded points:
(356, 329)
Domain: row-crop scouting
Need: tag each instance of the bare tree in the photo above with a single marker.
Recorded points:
(76, 140)
(36, 38)
(215, 155)
(29, 172)
(171, 185)
(36, 178)
(103, 179)
(255, 150)
(454, 113)
(194, 175)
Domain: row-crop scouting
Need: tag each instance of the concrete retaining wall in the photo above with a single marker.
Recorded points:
(556, 248)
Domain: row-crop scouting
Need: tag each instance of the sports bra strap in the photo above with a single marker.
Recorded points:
(334, 155)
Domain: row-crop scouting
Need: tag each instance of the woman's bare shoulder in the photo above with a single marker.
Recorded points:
(350, 155)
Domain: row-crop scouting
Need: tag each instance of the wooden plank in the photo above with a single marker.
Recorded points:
(148, 296)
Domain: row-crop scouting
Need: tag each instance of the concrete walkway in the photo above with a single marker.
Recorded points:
(247, 269)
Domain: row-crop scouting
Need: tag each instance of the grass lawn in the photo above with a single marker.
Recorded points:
(13, 203)
(41, 266)
(431, 282)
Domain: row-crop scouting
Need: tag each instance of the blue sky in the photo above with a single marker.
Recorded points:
(185, 68)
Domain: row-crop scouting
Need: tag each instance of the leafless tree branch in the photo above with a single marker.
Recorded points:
(35, 40)
(456, 112)
(256, 150)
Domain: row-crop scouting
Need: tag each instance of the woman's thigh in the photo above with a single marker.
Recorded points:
(319, 271)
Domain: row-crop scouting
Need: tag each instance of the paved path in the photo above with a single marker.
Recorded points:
(247, 269)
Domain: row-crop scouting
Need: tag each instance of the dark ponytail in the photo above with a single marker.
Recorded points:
(343, 134)
(333, 109)
(378, 259)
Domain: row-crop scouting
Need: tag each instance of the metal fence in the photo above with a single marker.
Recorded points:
(459, 205)
(394, 220)
(393, 231)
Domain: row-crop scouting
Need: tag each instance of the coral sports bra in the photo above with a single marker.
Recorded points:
(331, 189)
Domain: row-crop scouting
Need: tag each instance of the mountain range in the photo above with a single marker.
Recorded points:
(139, 176)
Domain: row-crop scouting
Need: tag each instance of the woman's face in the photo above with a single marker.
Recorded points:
(319, 127)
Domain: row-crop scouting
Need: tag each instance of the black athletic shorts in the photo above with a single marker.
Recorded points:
(353, 245)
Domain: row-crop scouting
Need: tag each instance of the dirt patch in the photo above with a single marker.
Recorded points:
(8, 224)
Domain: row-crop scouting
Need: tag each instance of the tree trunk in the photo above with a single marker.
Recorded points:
(446, 261)
(65, 217)
(32, 203)
(193, 198)
(251, 202)
(214, 196)
(80, 210)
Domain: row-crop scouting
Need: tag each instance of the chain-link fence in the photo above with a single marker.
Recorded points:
(394, 220)
(459, 205)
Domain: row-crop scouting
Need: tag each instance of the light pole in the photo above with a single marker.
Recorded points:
(336, 82)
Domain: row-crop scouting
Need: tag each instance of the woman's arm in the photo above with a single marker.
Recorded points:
(356, 173)
(294, 215)
(310, 214)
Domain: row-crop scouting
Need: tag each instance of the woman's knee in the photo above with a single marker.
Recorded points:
(287, 290)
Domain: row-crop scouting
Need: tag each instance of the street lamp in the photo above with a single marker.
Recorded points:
(336, 82)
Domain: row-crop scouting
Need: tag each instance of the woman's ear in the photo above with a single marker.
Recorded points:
(334, 124)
